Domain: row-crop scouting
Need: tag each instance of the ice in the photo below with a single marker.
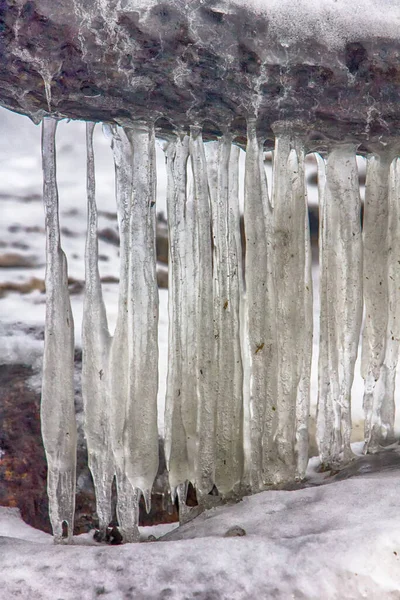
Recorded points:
(222, 163)
(293, 288)
(260, 314)
(204, 331)
(95, 359)
(57, 404)
(180, 412)
(341, 301)
(139, 376)
(134, 349)
(381, 293)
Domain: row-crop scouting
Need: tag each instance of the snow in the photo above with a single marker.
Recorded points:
(337, 541)
(331, 21)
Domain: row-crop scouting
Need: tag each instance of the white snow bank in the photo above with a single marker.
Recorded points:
(330, 21)
(338, 541)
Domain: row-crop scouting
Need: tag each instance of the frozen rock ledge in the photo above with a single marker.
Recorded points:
(331, 66)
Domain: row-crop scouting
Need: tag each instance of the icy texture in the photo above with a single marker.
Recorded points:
(223, 166)
(381, 294)
(341, 301)
(140, 434)
(203, 317)
(180, 422)
(57, 405)
(95, 359)
(128, 497)
(260, 314)
(293, 307)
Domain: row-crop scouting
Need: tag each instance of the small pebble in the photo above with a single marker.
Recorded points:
(235, 531)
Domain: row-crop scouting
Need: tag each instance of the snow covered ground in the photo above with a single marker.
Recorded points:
(331, 542)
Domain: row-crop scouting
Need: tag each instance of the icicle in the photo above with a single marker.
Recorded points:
(293, 307)
(227, 275)
(134, 349)
(341, 302)
(127, 508)
(381, 285)
(205, 373)
(95, 359)
(57, 405)
(260, 313)
(180, 412)
(128, 497)
(141, 433)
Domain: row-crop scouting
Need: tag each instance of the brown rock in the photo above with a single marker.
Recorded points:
(12, 260)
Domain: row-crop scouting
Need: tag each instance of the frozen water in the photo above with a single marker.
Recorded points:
(180, 411)
(95, 359)
(260, 314)
(293, 287)
(341, 300)
(57, 405)
(222, 163)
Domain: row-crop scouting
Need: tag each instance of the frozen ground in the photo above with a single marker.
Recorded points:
(335, 542)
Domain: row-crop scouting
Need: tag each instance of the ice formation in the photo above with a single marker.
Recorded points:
(240, 347)
(341, 300)
(57, 405)
(381, 297)
(293, 306)
(95, 359)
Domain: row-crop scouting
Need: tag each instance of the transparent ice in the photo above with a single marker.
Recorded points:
(57, 404)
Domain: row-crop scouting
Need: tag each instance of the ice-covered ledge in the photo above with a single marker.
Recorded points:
(332, 65)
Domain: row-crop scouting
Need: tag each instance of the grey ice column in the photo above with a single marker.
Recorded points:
(260, 315)
(180, 408)
(341, 301)
(382, 298)
(223, 166)
(95, 359)
(293, 288)
(204, 367)
(134, 349)
(141, 431)
(57, 404)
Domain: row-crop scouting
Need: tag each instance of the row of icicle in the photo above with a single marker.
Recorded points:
(240, 349)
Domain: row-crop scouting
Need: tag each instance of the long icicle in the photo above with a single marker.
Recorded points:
(205, 372)
(141, 432)
(227, 274)
(57, 404)
(260, 314)
(382, 299)
(341, 303)
(293, 306)
(128, 497)
(95, 359)
(376, 298)
(180, 414)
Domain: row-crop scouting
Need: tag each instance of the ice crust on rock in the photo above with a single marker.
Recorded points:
(333, 22)
(57, 405)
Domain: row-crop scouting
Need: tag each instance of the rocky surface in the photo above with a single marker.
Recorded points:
(210, 61)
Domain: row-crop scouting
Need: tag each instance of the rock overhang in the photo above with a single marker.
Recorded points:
(215, 63)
